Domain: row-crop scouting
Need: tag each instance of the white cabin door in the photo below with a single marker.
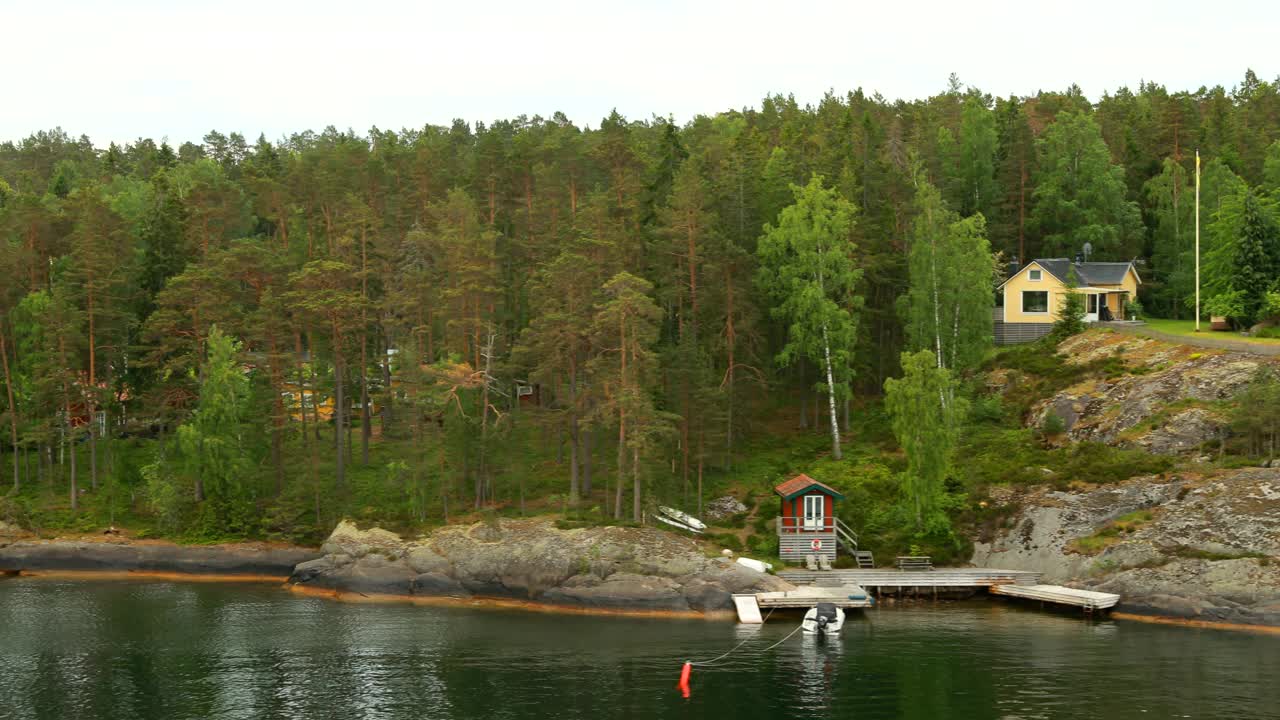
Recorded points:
(1091, 307)
(813, 509)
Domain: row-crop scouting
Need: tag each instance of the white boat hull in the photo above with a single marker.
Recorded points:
(677, 524)
(813, 626)
(682, 518)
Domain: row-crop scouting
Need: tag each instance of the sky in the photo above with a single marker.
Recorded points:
(117, 70)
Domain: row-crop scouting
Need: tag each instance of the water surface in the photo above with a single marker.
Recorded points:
(125, 649)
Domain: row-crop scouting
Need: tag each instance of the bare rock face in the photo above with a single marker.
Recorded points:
(607, 567)
(1182, 433)
(1112, 410)
(723, 507)
(1210, 549)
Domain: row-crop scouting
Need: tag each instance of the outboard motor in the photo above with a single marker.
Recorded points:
(826, 615)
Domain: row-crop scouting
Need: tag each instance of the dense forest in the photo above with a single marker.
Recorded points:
(238, 338)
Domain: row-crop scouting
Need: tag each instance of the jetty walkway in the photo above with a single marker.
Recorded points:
(857, 588)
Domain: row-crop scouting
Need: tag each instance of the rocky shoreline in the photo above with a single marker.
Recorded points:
(602, 568)
(1204, 548)
(248, 560)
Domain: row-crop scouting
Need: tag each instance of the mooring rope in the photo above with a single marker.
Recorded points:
(712, 662)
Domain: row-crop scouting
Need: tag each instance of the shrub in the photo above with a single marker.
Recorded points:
(1070, 320)
(1110, 534)
(1053, 425)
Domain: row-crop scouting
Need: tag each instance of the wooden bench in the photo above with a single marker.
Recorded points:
(915, 562)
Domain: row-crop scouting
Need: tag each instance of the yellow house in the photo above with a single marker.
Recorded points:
(1032, 298)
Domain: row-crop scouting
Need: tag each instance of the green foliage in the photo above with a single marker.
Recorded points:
(926, 416)
(1255, 413)
(435, 269)
(1080, 196)
(1228, 304)
(1053, 425)
(213, 445)
(807, 268)
(1111, 533)
(947, 306)
(1244, 249)
(1070, 317)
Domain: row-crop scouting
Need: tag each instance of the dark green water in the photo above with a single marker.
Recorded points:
(176, 650)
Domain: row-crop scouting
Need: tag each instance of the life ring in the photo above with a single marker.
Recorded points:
(815, 544)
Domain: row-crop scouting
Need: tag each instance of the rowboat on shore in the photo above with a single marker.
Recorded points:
(682, 518)
(678, 524)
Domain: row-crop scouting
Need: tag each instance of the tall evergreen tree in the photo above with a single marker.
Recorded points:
(1080, 194)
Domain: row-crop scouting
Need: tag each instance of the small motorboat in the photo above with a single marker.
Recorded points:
(823, 619)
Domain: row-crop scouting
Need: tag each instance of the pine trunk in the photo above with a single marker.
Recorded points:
(338, 400)
(13, 410)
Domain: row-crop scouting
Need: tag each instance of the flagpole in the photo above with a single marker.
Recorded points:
(1197, 240)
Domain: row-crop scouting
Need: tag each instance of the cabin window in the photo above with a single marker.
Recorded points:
(1035, 301)
(1093, 304)
(1034, 275)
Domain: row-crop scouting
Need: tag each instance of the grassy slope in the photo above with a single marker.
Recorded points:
(1187, 328)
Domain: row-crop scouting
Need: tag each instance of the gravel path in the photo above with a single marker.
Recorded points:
(1207, 341)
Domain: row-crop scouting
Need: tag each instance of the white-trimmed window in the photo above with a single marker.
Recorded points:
(1034, 275)
(1035, 301)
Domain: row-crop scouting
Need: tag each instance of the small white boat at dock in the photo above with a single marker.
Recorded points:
(823, 619)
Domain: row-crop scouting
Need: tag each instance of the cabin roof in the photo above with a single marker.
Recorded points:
(803, 483)
(1088, 273)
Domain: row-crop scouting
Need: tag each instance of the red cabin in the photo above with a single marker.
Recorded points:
(807, 524)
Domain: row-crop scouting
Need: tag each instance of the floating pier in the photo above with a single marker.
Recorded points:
(843, 596)
(1009, 583)
(1086, 599)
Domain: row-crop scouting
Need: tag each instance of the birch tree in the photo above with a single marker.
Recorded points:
(947, 307)
(807, 267)
(926, 429)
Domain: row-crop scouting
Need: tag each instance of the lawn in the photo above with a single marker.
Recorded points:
(1188, 328)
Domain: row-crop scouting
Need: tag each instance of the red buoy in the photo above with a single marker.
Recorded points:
(683, 685)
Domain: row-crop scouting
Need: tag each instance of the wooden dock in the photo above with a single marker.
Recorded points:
(1008, 583)
(850, 597)
(1086, 599)
(889, 580)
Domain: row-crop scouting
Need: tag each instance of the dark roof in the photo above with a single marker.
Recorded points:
(1088, 273)
(801, 483)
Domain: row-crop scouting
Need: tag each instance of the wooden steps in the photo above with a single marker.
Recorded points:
(864, 560)
(1087, 599)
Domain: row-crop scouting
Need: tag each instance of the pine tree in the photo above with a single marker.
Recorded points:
(624, 329)
(1172, 204)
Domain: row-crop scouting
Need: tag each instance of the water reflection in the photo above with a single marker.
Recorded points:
(165, 650)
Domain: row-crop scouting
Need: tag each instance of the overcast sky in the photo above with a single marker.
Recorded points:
(120, 69)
